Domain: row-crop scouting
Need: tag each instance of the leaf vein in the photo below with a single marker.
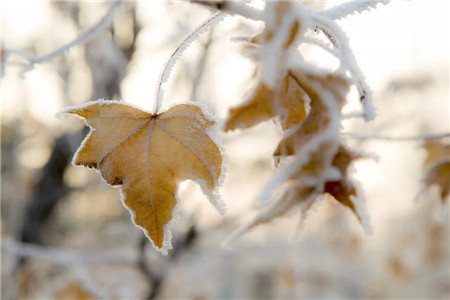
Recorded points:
(132, 133)
(149, 136)
(189, 148)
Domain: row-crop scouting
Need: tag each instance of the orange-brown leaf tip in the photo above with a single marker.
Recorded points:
(149, 155)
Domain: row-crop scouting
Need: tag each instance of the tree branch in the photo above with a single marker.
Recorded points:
(156, 280)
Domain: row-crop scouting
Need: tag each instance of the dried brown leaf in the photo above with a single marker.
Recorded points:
(287, 103)
(149, 155)
(319, 117)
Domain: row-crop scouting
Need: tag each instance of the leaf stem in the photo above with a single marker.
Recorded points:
(210, 22)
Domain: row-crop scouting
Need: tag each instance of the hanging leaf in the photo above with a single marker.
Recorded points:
(149, 155)
(319, 163)
(287, 103)
(282, 28)
(324, 113)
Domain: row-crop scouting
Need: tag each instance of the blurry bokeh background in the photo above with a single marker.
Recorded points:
(83, 244)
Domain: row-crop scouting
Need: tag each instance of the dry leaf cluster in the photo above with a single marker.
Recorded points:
(150, 154)
(312, 159)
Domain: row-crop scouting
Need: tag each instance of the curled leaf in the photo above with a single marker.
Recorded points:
(149, 155)
(287, 103)
(436, 151)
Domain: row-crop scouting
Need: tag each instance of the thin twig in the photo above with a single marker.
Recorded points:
(397, 139)
(81, 39)
(323, 45)
(338, 37)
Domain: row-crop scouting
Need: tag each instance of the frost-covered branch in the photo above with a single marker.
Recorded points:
(323, 21)
(81, 39)
(66, 257)
(335, 13)
(348, 61)
(212, 21)
(351, 7)
(397, 139)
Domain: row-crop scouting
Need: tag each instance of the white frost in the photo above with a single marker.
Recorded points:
(214, 20)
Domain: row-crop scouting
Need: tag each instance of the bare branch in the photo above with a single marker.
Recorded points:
(81, 39)
(323, 22)
(348, 61)
(66, 257)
